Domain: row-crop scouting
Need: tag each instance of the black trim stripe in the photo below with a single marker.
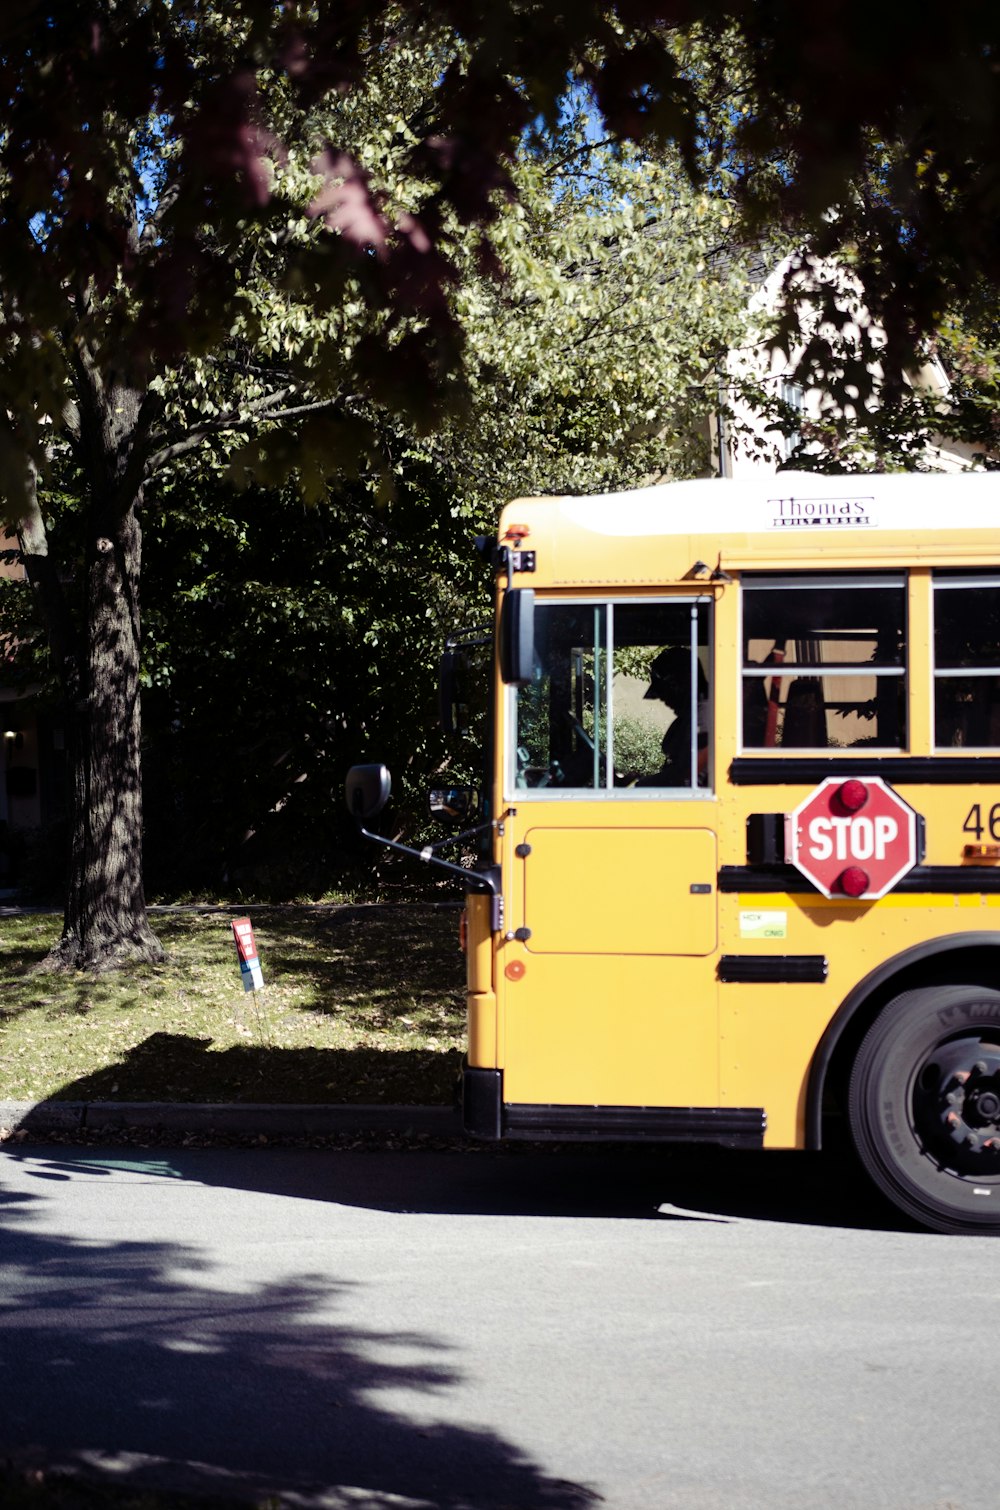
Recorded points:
(763, 878)
(912, 770)
(735, 1127)
(964, 879)
(946, 878)
(812, 968)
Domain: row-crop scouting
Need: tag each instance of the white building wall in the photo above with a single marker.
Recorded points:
(742, 443)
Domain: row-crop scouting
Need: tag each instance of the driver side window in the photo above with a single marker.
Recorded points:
(561, 729)
(619, 698)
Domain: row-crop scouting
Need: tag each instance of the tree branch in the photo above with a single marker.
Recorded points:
(585, 149)
(260, 411)
(44, 579)
(151, 229)
(247, 368)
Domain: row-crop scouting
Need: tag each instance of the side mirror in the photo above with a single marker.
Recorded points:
(517, 636)
(454, 804)
(367, 790)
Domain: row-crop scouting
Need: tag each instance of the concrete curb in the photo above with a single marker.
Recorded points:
(252, 1118)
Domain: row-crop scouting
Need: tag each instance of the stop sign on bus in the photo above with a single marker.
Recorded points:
(852, 837)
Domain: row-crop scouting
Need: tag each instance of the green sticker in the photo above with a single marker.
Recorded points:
(763, 925)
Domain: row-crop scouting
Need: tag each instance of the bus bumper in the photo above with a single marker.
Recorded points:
(482, 1103)
(485, 1115)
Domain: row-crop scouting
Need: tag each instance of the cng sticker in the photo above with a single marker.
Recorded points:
(763, 925)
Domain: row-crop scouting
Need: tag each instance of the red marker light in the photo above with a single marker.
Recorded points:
(853, 881)
(853, 794)
(517, 532)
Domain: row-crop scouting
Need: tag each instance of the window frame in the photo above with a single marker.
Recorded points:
(952, 581)
(515, 794)
(786, 581)
(792, 394)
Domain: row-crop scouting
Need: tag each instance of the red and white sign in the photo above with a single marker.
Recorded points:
(246, 948)
(852, 837)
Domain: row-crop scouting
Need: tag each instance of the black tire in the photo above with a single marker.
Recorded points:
(924, 1107)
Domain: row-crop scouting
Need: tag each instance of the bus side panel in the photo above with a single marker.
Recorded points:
(604, 1030)
(769, 1032)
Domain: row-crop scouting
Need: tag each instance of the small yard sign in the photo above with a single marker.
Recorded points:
(246, 948)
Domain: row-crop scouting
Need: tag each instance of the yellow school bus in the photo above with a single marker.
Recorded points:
(740, 863)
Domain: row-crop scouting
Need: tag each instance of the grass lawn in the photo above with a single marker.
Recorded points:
(360, 1004)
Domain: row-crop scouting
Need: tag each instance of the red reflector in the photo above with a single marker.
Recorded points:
(853, 794)
(463, 931)
(517, 532)
(853, 881)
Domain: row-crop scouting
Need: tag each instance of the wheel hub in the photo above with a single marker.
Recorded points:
(982, 1106)
(957, 1101)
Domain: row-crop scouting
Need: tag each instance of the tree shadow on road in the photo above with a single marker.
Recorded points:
(134, 1367)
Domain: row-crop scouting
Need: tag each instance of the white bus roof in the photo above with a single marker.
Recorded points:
(784, 504)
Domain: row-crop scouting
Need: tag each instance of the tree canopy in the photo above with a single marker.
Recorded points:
(870, 138)
(284, 640)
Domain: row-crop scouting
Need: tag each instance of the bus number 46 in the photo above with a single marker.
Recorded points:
(974, 822)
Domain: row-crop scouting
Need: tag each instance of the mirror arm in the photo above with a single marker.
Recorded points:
(487, 881)
(470, 833)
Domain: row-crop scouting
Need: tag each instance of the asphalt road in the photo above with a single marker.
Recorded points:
(545, 1331)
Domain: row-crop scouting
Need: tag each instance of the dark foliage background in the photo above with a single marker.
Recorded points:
(284, 643)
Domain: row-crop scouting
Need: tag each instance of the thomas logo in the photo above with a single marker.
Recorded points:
(825, 513)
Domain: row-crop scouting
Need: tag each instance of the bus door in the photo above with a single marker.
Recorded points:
(610, 860)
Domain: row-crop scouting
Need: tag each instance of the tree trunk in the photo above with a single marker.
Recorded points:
(105, 923)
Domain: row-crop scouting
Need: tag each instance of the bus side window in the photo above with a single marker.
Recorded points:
(966, 661)
(824, 662)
